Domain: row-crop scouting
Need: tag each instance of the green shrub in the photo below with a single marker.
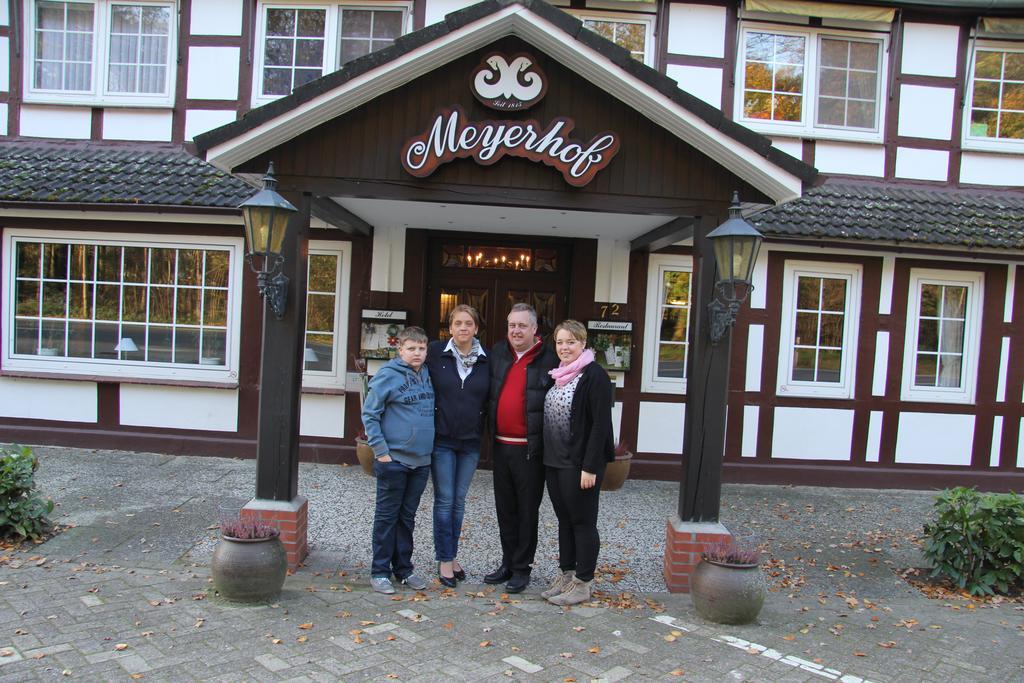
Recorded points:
(23, 513)
(977, 540)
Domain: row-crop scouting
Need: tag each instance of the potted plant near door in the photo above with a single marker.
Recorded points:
(363, 450)
(249, 562)
(728, 586)
(616, 473)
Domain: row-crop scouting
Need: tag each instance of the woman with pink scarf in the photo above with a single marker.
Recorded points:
(578, 443)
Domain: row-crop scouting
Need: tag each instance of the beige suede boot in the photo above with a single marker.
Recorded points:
(559, 585)
(579, 591)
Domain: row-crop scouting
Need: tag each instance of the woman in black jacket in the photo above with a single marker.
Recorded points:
(459, 373)
(578, 444)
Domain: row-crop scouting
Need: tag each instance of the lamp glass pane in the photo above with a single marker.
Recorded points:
(723, 257)
(257, 227)
(279, 227)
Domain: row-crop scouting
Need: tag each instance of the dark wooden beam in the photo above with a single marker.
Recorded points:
(330, 211)
(665, 235)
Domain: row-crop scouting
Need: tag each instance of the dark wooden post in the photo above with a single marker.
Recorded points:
(277, 440)
(707, 391)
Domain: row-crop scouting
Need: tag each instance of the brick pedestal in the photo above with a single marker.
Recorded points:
(684, 543)
(290, 517)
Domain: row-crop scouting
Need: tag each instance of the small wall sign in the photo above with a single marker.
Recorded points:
(612, 341)
(508, 83)
(379, 335)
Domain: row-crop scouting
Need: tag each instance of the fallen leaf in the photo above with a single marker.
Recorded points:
(309, 625)
(860, 654)
(343, 614)
(391, 636)
(567, 655)
(302, 639)
(121, 646)
(888, 645)
(135, 676)
(594, 650)
(364, 622)
(676, 672)
(448, 626)
(485, 643)
(39, 655)
(276, 641)
(579, 628)
(670, 638)
(789, 637)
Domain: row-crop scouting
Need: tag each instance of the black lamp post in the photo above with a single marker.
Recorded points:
(736, 244)
(266, 216)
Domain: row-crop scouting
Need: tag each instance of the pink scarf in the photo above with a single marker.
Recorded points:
(564, 374)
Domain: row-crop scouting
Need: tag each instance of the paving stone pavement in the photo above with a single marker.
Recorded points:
(124, 592)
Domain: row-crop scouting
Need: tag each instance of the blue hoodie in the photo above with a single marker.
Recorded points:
(398, 413)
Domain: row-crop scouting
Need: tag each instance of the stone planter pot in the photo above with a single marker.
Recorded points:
(249, 570)
(616, 473)
(365, 455)
(727, 593)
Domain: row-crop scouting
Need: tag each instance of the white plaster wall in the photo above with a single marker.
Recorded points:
(137, 124)
(991, 169)
(5, 62)
(700, 81)
(696, 30)
(812, 433)
(794, 147)
(45, 399)
(925, 112)
(143, 405)
(217, 18)
(885, 290)
(1020, 444)
(930, 49)
(997, 441)
(748, 445)
(874, 444)
(922, 164)
(5, 17)
(1011, 284)
(755, 350)
(611, 279)
(616, 420)
(849, 158)
(436, 9)
(70, 123)
(213, 73)
(3, 118)
(759, 297)
(881, 370)
(1004, 359)
(387, 267)
(660, 428)
(322, 415)
(201, 120)
(935, 439)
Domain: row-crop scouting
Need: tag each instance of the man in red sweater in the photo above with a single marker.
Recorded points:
(519, 382)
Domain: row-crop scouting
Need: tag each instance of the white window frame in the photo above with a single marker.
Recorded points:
(100, 60)
(793, 270)
(90, 367)
(977, 142)
(807, 126)
(965, 393)
(647, 21)
(657, 265)
(332, 35)
(334, 379)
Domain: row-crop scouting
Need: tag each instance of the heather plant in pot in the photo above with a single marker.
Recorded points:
(249, 562)
(727, 586)
(616, 473)
(364, 453)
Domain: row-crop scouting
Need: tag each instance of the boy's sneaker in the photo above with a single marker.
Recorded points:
(415, 582)
(382, 584)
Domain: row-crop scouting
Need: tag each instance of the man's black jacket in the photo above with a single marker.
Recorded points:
(538, 381)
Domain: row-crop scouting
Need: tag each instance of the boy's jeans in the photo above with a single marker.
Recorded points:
(453, 464)
(399, 489)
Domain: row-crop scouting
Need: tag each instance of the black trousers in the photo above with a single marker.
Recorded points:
(518, 491)
(576, 510)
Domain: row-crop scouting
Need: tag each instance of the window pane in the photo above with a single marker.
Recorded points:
(832, 82)
(80, 340)
(54, 299)
(387, 25)
(863, 85)
(803, 365)
(133, 305)
(808, 293)
(190, 267)
(312, 22)
(186, 346)
(831, 111)
(27, 295)
(280, 22)
(952, 339)
(789, 79)
(63, 46)
(28, 259)
(161, 344)
(55, 261)
(214, 347)
(107, 336)
(279, 52)
(988, 64)
(322, 270)
(925, 372)
(26, 336)
(276, 82)
(806, 329)
(676, 291)
(1013, 67)
(132, 334)
(833, 295)
(1011, 125)
(217, 268)
(757, 105)
(161, 305)
(671, 361)
(949, 370)
(136, 263)
(673, 325)
(954, 302)
(356, 23)
(832, 330)
(319, 354)
(760, 47)
(188, 307)
(861, 115)
(303, 76)
(986, 94)
(309, 53)
(108, 302)
(215, 307)
(320, 313)
(928, 335)
(787, 108)
(829, 366)
(789, 49)
(835, 53)
(53, 332)
(80, 300)
(930, 300)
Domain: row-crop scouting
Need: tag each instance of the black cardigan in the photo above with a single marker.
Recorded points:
(459, 407)
(591, 441)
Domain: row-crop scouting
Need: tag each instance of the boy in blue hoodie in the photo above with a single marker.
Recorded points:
(398, 416)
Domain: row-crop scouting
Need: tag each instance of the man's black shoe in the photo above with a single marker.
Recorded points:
(499, 575)
(518, 583)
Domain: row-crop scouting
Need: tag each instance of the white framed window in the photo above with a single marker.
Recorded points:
(99, 304)
(823, 83)
(100, 52)
(297, 43)
(327, 295)
(940, 361)
(994, 115)
(634, 32)
(667, 323)
(818, 338)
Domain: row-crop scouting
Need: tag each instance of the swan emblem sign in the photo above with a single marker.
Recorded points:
(508, 85)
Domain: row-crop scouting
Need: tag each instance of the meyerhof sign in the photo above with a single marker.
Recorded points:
(508, 85)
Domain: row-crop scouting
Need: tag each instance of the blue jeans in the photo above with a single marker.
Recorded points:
(452, 466)
(399, 489)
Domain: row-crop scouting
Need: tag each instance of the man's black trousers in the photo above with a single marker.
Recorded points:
(518, 491)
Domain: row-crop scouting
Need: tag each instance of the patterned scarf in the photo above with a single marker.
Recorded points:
(467, 360)
(564, 374)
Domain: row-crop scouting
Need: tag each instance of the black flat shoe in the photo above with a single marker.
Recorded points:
(499, 575)
(448, 581)
(518, 583)
(460, 575)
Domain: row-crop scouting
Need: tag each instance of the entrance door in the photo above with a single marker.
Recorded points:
(491, 276)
